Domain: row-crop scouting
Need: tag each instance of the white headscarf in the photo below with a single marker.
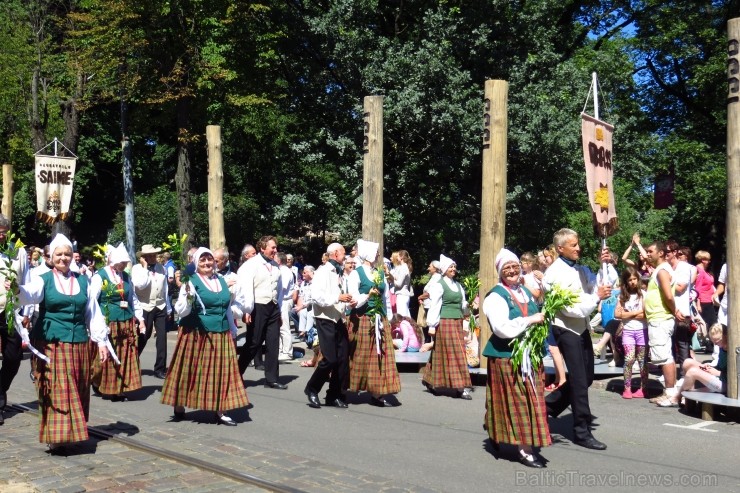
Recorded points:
(444, 264)
(198, 253)
(504, 257)
(367, 250)
(118, 255)
(59, 241)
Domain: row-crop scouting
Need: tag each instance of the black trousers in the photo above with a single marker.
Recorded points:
(334, 367)
(12, 354)
(156, 319)
(578, 354)
(264, 329)
(681, 345)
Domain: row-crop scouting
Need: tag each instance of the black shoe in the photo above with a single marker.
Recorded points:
(96, 391)
(337, 403)
(313, 399)
(2, 417)
(276, 385)
(259, 368)
(465, 395)
(534, 462)
(380, 402)
(118, 398)
(222, 419)
(591, 443)
(179, 415)
(160, 375)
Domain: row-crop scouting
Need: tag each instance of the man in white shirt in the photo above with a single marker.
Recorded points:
(571, 331)
(329, 303)
(290, 294)
(10, 341)
(681, 294)
(151, 286)
(260, 294)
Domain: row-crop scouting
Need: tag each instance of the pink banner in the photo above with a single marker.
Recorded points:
(597, 153)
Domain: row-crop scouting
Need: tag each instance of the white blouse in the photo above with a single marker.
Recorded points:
(435, 299)
(183, 307)
(496, 309)
(96, 286)
(353, 286)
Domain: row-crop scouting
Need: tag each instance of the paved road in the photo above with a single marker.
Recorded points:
(426, 444)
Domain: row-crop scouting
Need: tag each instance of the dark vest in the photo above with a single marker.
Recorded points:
(110, 303)
(214, 319)
(62, 316)
(366, 284)
(498, 347)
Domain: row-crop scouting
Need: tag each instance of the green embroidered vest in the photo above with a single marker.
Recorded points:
(110, 303)
(451, 301)
(62, 316)
(214, 319)
(498, 347)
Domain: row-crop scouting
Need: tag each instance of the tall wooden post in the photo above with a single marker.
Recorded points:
(733, 207)
(216, 238)
(493, 197)
(7, 206)
(372, 179)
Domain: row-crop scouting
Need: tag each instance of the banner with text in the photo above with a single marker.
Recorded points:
(597, 153)
(54, 180)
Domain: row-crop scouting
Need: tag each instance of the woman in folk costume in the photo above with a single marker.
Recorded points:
(515, 405)
(204, 373)
(68, 318)
(447, 367)
(112, 287)
(372, 355)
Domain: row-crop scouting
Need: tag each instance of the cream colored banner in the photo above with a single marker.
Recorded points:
(597, 153)
(54, 183)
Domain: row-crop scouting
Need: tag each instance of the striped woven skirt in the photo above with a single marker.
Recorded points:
(63, 387)
(368, 370)
(515, 412)
(204, 373)
(114, 379)
(447, 367)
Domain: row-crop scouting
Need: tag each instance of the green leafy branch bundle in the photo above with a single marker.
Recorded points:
(10, 251)
(531, 344)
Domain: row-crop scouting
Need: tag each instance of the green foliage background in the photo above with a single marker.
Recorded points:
(285, 80)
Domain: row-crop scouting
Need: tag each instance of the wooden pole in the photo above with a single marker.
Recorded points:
(372, 179)
(7, 206)
(733, 206)
(216, 237)
(493, 197)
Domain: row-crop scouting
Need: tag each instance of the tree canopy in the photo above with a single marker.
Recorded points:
(285, 81)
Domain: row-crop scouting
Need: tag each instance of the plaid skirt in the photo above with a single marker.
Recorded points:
(114, 379)
(368, 370)
(515, 410)
(447, 367)
(204, 373)
(63, 387)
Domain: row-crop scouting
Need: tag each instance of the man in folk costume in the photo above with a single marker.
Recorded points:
(330, 300)
(258, 304)
(10, 341)
(373, 362)
(151, 286)
(571, 331)
(515, 403)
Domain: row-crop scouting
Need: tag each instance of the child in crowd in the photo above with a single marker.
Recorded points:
(407, 336)
(713, 378)
(634, 333)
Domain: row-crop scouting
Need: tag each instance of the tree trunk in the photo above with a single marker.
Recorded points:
(182, 177)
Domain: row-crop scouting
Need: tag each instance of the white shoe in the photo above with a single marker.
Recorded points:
(284, 357)
(661, 379)
(612, 363)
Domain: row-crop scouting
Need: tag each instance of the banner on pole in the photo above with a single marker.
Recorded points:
(597, 153)
(54, 182)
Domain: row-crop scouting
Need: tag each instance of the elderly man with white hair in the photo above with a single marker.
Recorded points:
(330, 300)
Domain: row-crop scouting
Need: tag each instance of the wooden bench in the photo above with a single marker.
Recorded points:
(412, 358)
(709, 400)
